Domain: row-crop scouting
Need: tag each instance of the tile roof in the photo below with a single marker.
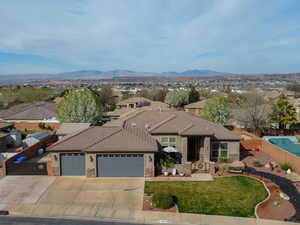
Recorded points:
(108, 139)
(177, 122)
(70, 128)
(153, 105)
(4, 126)
(35, 111)
(133, 100)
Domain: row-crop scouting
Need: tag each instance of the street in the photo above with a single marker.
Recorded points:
(42, 221)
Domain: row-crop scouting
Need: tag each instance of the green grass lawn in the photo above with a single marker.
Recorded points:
(229, 196)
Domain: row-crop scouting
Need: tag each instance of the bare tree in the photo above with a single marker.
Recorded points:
(253, 112)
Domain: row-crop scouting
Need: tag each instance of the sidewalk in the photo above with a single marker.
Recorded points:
(194, 177)
(137, 216)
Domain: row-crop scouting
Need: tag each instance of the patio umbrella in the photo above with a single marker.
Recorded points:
(170, 149)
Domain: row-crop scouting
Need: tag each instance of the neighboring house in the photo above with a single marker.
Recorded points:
(67, 129)
(4, 135)
(36, 112)
(196, 107)
(127, 147)
(3, 141)
(138, 102)
(131, 104)
(134, 102)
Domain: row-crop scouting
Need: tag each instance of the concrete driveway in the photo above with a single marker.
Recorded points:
(23, 189)
(71, 196)
(101, 193)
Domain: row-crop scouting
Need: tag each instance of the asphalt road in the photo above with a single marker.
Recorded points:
(41, 221)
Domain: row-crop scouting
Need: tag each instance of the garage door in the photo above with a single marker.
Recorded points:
(72, 164)
(120, 165)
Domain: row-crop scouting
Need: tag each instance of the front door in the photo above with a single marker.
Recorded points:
(194, 146)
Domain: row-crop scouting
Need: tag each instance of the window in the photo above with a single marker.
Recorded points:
(224, 150)
(219, 150)
(168, 141)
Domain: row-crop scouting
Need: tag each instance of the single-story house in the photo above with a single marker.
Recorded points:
(195, 107)
(110, 151)
(138, 102)
(127, 147)
(131, 104)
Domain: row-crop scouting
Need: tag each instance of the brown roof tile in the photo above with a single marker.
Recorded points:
(108, 139)
(179, 122)
(35, 111)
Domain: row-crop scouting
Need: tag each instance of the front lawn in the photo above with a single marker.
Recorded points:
(229, 196)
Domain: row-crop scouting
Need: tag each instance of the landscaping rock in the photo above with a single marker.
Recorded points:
(284, 196)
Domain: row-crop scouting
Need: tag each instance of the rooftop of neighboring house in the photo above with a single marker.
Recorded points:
(173, 122)
(108, 139)
(4, 126)
(34, 111)
(196, 105)
(133, 100)
(70, 128)
(123, 111)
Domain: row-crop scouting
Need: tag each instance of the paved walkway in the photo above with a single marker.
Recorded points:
(286, 186)
(196, 177)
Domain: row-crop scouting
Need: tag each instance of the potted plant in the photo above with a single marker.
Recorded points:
(166, 162)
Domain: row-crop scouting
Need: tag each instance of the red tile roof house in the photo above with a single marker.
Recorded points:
(128, 147)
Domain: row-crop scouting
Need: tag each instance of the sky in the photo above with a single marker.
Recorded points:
(236, 36)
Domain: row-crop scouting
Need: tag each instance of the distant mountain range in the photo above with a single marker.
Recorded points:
(95, 74)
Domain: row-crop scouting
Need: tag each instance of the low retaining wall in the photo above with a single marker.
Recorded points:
(29, 152)
(278, 154)
(36, 126)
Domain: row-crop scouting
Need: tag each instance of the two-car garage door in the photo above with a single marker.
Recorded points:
(120, 165)
(108, 165)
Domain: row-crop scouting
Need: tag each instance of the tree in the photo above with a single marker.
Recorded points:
(284, 113)
(293, 87)
(153, 94)
(106, 95)
(193, 95)
(79, 106)
(252, 112)
(177, 98)
(216, 110)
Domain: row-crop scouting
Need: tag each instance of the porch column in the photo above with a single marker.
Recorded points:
(206, 155)
(184, 143)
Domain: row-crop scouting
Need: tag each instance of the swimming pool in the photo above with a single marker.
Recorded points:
(286, 144)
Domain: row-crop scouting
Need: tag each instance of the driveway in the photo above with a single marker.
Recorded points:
(23, 189)
(71, 196)
(102, 193)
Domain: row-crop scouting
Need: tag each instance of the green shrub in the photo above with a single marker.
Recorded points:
(257, 163)
(286, 166)
(223, 160)
(162, 200)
